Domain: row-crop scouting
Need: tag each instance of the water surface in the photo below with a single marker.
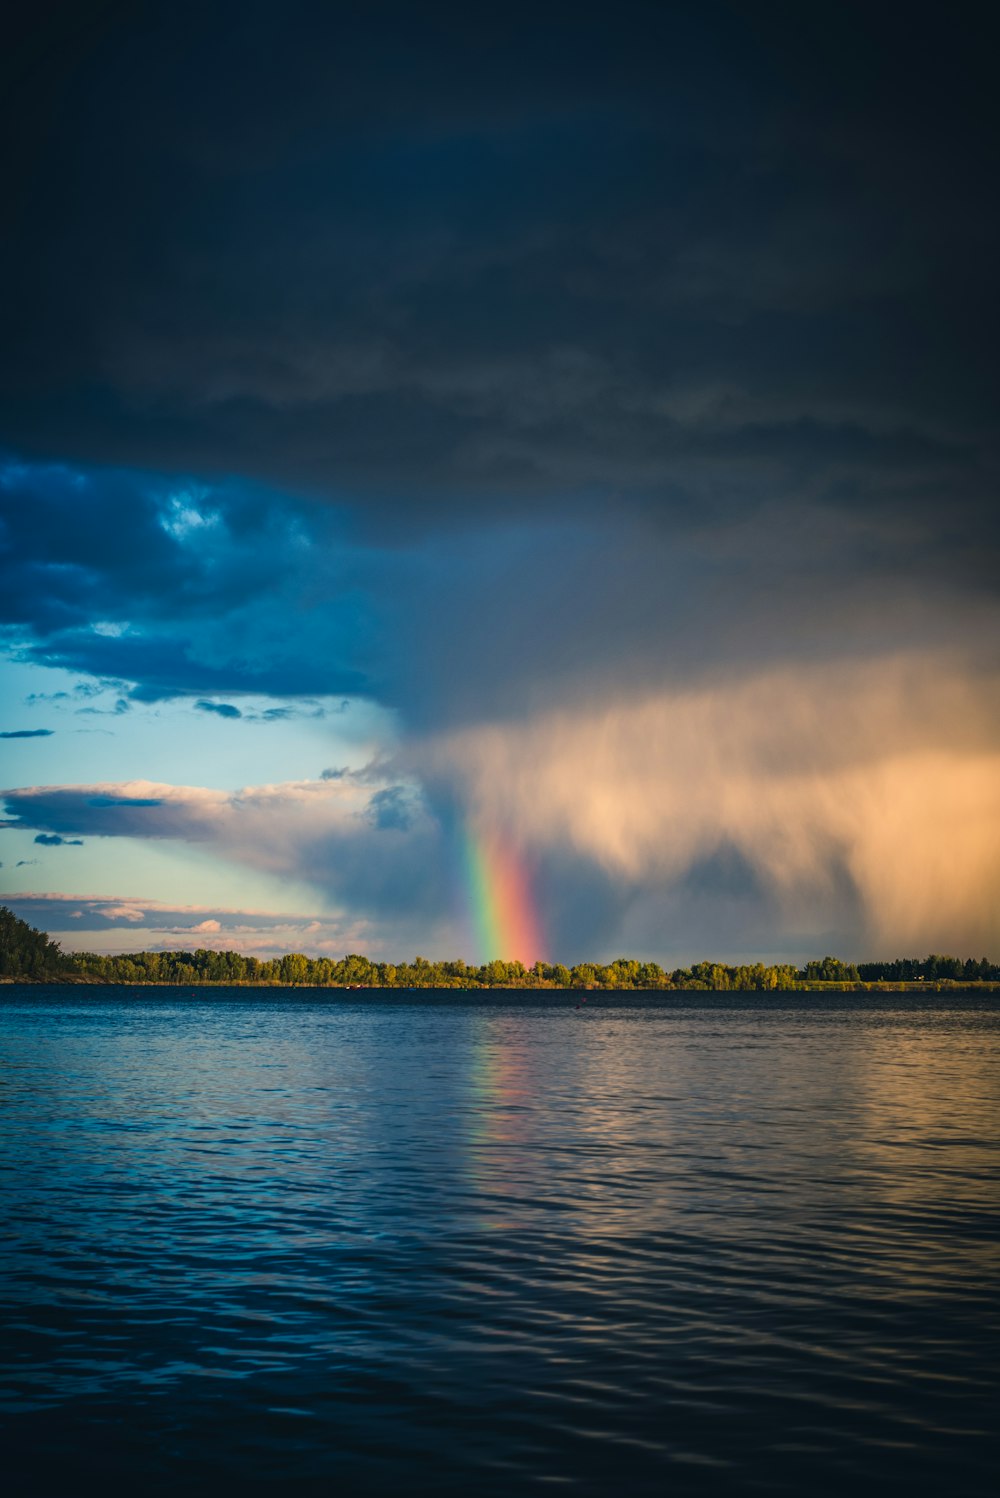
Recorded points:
(499, 1244)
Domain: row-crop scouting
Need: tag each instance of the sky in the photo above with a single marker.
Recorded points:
(520, 477)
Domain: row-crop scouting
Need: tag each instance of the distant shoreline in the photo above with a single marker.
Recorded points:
(31, 956)
(77, 980)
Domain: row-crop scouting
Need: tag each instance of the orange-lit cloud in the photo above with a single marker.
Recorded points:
(886, 772)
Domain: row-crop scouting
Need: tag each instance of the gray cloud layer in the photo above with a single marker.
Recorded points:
(689, 258)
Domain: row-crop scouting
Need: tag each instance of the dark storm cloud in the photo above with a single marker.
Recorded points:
(52, 840)
(438, 264)
(168, 665)
(687, 262)
(173, 587)
(28, 733)
(696, 304)
(235, 592)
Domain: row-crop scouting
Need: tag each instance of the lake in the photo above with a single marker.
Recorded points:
(500, 1244)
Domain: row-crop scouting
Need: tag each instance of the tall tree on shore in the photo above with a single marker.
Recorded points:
(25, 952)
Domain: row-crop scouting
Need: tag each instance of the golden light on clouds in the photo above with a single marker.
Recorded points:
(884, 772)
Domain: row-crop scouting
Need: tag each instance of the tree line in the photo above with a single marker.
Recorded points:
(27, 953)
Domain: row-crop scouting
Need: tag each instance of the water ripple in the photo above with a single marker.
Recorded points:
(716, 1248)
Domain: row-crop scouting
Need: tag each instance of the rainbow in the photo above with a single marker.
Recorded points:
(504, 916)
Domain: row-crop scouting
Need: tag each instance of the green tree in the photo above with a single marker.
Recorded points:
(294, 968)
(25, 952)
(584, 975)
(831, 970)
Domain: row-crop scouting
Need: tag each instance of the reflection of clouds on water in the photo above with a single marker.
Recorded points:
(505, 1092)
(709, 1120)
(558, 1131)
(929, 1100)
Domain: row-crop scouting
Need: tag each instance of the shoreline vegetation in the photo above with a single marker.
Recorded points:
(28, 955)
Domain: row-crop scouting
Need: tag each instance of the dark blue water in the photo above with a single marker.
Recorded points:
(375, 1246)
